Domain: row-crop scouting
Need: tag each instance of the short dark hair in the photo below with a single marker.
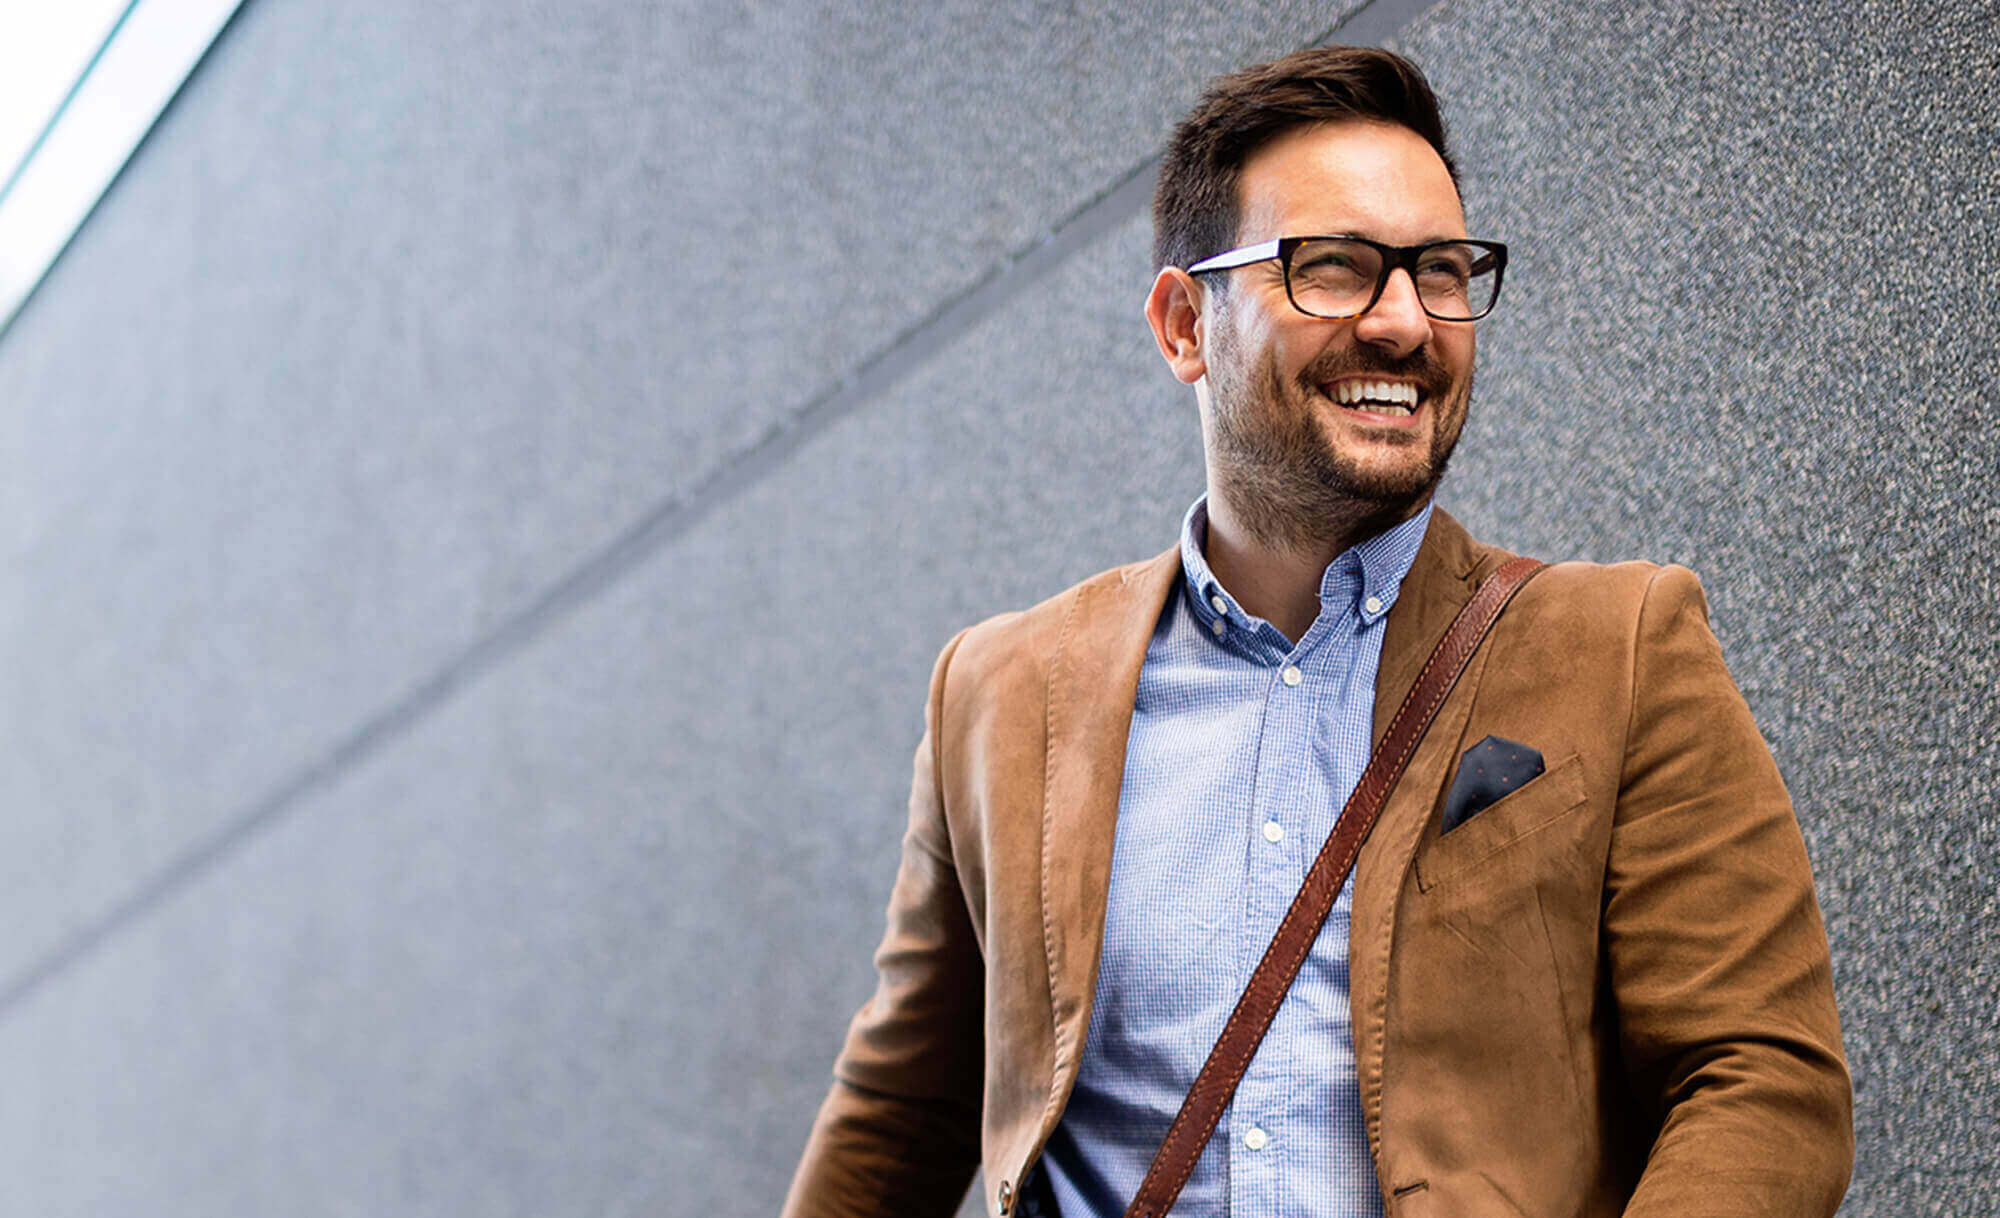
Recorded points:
(1195, 204)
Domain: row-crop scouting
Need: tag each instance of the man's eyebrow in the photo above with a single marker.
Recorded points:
(1365, 236)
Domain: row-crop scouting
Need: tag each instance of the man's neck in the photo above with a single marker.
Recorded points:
(1280, 581)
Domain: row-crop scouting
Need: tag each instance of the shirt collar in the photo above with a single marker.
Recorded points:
(1383, 560)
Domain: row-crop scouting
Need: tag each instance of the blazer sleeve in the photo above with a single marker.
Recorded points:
(898, 1133)
(1718, 960)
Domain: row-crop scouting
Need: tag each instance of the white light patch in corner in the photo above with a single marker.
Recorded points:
(143, 50)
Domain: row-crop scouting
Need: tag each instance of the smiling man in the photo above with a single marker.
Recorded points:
(1577, 968)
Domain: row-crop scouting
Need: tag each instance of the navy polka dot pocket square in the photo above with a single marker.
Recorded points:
(1491, 769)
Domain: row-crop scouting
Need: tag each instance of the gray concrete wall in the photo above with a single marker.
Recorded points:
(480, 498)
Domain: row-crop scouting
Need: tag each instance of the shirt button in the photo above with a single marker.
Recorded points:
(1273, 831)
(1374, 604)
(1292, 674)
(1220, 626)
(1256, 1139)
(1221, 606)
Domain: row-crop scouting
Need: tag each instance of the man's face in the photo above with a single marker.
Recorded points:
(1292, 407)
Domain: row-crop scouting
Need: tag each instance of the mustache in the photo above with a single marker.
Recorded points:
(1420, 366)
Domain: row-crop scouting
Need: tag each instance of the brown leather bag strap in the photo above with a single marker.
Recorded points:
(1273, 976)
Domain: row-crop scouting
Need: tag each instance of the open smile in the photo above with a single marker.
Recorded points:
(1377, 398)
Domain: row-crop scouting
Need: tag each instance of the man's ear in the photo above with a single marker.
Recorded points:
(1173, 308)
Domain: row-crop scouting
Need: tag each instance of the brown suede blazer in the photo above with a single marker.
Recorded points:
(1607, 993)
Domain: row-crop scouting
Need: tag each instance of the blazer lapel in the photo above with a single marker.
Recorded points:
(1437, 587)
(1093, 679)
(1448, 568)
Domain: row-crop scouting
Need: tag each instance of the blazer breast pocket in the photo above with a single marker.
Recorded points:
(1555, 792)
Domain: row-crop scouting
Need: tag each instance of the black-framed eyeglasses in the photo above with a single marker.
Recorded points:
(1339, 278)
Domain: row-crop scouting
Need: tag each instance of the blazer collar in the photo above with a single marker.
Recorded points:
(1093, 680)
(1448, 570)
(1446, 573)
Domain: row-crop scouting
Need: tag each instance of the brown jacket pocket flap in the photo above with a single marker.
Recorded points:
(1492, 829)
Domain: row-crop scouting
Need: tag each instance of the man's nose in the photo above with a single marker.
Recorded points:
(1398, 322)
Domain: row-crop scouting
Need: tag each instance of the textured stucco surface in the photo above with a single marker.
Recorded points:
(400, 316)
(1798, 401)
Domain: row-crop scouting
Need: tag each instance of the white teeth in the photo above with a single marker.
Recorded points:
(1402, 397)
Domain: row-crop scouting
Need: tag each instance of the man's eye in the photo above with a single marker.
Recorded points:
(1332, 269)
(1447, 281)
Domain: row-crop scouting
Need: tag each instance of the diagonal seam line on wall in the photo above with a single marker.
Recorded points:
(678, 514)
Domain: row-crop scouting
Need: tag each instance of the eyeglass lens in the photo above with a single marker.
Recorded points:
(1337, 278)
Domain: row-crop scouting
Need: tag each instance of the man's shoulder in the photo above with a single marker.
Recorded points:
(1022, 642)
(1588, 602)
(1572, 585)
(1592, 589)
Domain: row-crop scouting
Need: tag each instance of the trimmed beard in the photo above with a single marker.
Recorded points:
(1297, 491)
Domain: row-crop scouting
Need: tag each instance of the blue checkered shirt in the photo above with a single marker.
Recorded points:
(1243, 748)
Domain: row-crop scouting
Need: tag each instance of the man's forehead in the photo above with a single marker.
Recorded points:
(1372, 179)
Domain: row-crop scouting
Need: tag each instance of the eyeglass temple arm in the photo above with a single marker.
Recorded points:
(1263, 251)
